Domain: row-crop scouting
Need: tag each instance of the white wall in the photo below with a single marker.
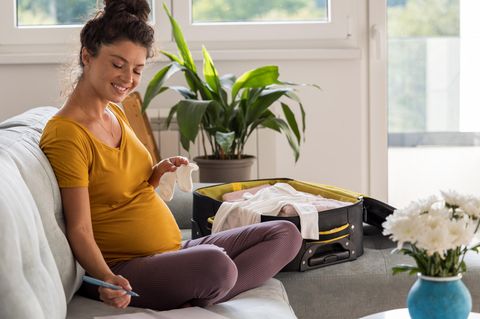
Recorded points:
(23, 86)
(336, 147)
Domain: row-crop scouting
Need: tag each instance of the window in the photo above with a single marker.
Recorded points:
(432, 90)
(44, 21)
(44, 13)
(256, 11)
(44, 30)
(233, 20)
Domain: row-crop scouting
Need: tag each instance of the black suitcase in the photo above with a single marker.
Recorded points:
(340, 229)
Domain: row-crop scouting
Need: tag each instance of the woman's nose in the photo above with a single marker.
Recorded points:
(127, 76)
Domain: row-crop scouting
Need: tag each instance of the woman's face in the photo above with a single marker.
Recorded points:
(115, 71)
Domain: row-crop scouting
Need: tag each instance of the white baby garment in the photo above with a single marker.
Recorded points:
(182, 175)
(269, 201)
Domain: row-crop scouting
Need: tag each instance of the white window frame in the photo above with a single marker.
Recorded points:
(10, 34)
(236, 42)
(337, 27)
(378, 101)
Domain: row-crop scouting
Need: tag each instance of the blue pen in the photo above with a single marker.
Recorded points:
(102, 283)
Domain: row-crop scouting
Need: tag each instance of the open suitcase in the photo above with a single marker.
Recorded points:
(340, 229)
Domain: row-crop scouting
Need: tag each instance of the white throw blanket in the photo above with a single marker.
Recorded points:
(269, 201)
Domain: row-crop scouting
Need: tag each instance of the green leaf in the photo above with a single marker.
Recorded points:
(155, 86)
(213, 119)
(183, 91)
(270, 122)
(172, 112)
(224, 97)
(189, 117)
(196, 84)
(283, 126)
(185, 142)
(404, 268)
(475, 248)
(227, 80)
(292, 95)
(225, 141)
(260, 77)
(237, 122)
(180, 41)
(263, 102)
(301, 84)
(209, 71)
(172, 57)
(291, 120)
(251, 95)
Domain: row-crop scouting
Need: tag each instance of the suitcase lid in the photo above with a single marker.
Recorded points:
(216, 191)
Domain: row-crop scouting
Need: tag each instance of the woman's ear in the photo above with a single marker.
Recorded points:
(85, 56)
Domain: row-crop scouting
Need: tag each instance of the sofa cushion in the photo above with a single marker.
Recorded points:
(30, 284)
(19, 137)
(267, 301)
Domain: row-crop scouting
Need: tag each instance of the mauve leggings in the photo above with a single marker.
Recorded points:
(210, 269)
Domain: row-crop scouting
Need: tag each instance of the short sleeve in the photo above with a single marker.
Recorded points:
(67, 150)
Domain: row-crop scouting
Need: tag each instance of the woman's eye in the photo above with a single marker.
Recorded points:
(118, 66)
(137, 72)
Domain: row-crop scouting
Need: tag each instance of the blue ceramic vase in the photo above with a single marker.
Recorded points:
(439, 298)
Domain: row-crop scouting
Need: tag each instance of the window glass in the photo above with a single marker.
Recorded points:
(423, 65)
(254, 11)
(53, 12)
(434, 128)
(32, 13)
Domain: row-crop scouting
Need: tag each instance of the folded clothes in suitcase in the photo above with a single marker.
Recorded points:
(340, 229)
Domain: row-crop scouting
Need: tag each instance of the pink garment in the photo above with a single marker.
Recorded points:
(243, 194)
(321, 205)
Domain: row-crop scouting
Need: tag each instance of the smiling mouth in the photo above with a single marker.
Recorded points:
(119, 88)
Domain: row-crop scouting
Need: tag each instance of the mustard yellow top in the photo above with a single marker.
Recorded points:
(129, 218)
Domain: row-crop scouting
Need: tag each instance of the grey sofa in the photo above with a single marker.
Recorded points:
(39, 276)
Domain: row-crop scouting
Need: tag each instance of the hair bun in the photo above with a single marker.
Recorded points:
(139, 8)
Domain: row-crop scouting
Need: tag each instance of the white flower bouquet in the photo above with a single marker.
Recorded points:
(436, 233)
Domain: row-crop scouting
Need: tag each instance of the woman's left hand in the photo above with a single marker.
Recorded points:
(177, 161)
(169, 164)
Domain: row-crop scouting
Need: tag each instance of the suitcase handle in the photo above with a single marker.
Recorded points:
(326, 236)
(328, 258)
(210, 222)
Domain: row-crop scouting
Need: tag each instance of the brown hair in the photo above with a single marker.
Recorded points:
(119, 20)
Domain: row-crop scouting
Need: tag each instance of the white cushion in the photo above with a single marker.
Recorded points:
(19, 137)
(267, 301)
(30, 284)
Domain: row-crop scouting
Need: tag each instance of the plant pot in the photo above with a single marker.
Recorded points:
(439, 297)
(224, 171)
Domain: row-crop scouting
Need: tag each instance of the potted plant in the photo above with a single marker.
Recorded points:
(225, 110)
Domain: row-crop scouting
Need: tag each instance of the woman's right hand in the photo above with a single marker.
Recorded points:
(115, 298)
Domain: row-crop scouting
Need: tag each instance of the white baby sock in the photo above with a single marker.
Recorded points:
(183, 175)
(167, 186)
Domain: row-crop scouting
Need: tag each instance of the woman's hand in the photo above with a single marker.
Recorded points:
(166, 165)
(115, 298)
(170, 164)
